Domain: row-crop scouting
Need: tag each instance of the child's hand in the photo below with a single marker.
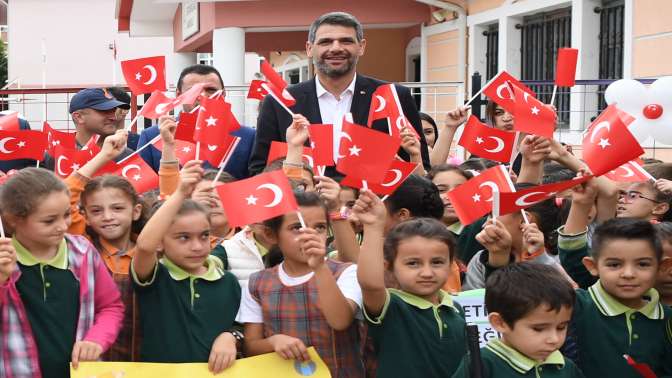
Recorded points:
(586, 192)
(85, 351)
(222, 353)
(664, 186)
(297, 132)
(370, 210)
(558, 151)
(535, 148)
(206, 196)
(190, 175)
(497, 240)
(114, 144)
(7, 259)
(328, 189)
(533, 238)
(409, 142)
(289, 348)
(313, 246)
(167, 127)
(457, 117)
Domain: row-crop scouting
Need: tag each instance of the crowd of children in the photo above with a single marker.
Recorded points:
(92, 270)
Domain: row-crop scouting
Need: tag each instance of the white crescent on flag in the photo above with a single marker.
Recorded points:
(523, 202)
(124, 171)
(346, 136)
(397, 177)
(152, 73)
(502, 87)
(3, 142)
(58, 165)
(493, 187)
(277, 193)
(500, 145)
(161, 108)
(598, 127)
(382, 102)
(626, 168)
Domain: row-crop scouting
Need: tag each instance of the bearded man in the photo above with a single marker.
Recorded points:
(335, 44)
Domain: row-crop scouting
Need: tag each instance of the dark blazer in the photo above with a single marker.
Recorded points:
(273, 120)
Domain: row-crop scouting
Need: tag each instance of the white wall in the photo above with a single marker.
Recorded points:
(77, 35)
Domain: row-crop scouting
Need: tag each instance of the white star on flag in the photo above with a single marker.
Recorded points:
(479, 140)
(74, 167)
(604, 142)
(211, 121)
(251, 200)
(186, 149)
(354, 150)
(137, 177)
(21, 144)
(138, 76)
(476, 197)
(535, 110)
(56, 142)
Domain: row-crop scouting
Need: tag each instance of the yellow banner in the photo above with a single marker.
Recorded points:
(265, 365)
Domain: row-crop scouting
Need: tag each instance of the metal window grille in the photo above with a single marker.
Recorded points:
(542, 35)
(611, 44)
(492, 51)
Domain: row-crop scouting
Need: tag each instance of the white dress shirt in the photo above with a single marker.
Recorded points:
(333, 108)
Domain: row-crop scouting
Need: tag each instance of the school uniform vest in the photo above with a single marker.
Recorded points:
(243, 256)
(294, 311)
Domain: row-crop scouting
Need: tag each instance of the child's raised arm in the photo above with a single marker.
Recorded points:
(344, 236)
(441, 150)
(153, 232)
(296, 136)
(371, 263)
(169, 166)
(535, 150)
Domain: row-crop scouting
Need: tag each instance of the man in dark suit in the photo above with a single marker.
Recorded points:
(208, 75)
(335, 43)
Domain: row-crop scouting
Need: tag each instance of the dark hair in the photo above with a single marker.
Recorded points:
(664, 230)
(336, 18)
(211, 174)
(419, 195)
(276, 165)
(554, 172)
(427, 118)
(23, 191)
(119, 94)
(188, 206)
(477, 164)
(626, 228)
(423, 227)
(517, 289)
(448, 168)
(113, 182)
(198, 69)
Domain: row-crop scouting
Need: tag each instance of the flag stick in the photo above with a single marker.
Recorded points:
(643, 171)
(151, 142)
(198, 150)
(38, 164)
(303, 222)
(385, 197)
(2, 229)
(555, 91)
(525, 218)
(224, 161)
(495, 205)
(130, 125)
(514, 151)
(270, 92)
(365, 185)
(482, 89)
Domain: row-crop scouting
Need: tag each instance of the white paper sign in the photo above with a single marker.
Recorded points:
(473, 304)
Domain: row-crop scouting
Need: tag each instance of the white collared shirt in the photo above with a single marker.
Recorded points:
(332, 109)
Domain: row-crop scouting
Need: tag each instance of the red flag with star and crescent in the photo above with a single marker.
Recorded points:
(145, 75)
(257, 91)
(487, 142)
(510, 202)
(394, 177)
(473, 199)
(275, 85)
(58, 138)
(184, 151)
(215, 121)
(531, 115)
(68, 160)
(385, 105)
(608, 143)
(365, 153)
(258, 198)
(500, 92)
(279, 150)
(159, 104)
(218, 154)
(631, 171)
(136, 171)
(24, 144)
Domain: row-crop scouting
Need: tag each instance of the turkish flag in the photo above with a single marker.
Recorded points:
(58, 138)
(531, 115)
(280, 95)
(185, 126)
(383, 104)
(145, 75)
(395, 176)
(272, 76)
(68, 160)
(10, 122)
(157, 105)
(217, 154)
(365, 153)
(487, 142)
(565, 67)
(500, 92)
(256, 90)
(215, 121)
(136, 171)
(189, 97)
(258, 198)
(608, 143)
(184, 151)
(279, 150)
(473, 199)
(25, 144)
(275, 85)
(631, 171)
(92, 145)
(510, 202)
(321, 141)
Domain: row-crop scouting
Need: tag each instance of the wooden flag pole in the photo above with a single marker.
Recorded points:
(555, 91)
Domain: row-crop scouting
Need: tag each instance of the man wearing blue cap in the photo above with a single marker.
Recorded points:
(93, 110)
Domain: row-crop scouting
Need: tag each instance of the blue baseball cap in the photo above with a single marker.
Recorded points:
(95, 98)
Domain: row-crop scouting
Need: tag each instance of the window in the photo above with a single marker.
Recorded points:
(542, 35)
(205, 58)
(611, 44)
(492, 51)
